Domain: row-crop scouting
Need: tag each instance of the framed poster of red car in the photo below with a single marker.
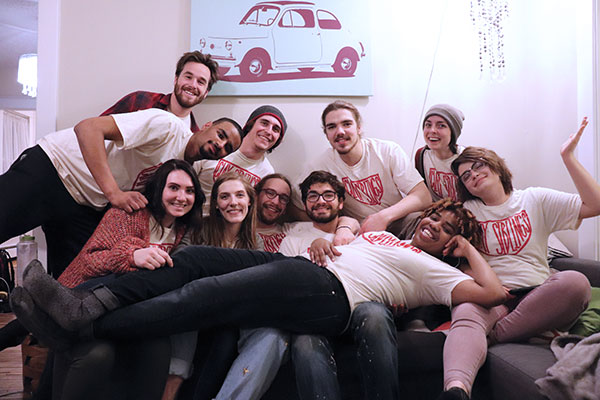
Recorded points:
(286, 48)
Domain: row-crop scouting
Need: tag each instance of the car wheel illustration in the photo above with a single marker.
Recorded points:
(255, 65)
(345, 63)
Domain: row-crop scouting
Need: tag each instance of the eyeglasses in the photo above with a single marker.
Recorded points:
(328, 195)
(271, 194)
(476, 167)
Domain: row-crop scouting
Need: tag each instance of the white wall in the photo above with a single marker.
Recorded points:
(107, 49)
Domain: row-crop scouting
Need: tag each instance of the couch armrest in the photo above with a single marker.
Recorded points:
(589, 268)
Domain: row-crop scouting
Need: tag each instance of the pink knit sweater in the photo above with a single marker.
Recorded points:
(111, 246)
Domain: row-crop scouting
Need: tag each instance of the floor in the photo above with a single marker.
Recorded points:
(11, 368)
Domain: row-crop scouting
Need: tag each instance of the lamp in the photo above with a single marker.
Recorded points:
(27, 75)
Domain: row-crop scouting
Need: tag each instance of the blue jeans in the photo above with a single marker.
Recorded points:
(315, 366)
(261, 353)
(231, 287)
(374, 333)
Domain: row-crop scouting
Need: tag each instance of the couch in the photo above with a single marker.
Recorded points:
(508, 373)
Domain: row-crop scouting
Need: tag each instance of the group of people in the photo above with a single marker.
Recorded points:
(233, 287)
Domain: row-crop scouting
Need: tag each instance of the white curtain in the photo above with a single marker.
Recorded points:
(15, 137)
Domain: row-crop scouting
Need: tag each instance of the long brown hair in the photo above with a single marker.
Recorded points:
(213, 230)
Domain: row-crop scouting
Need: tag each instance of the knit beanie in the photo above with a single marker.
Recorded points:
(453, 116)
(267, 110)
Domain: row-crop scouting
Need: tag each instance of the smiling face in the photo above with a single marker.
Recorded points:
(214, 141)
(264, 133)
(434, 231)
(271, 209)
(479, 179)
(343, 133)
(320, 210)
(233, 201)
(437, 134)
(178, 196)
(191, 86)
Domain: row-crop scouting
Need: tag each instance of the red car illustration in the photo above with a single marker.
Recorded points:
(284, 36)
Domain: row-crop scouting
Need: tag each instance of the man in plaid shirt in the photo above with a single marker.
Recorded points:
(187, 93)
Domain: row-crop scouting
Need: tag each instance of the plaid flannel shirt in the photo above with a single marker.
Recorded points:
(141, 100)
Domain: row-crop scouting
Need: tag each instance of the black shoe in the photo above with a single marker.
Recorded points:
(454, 393)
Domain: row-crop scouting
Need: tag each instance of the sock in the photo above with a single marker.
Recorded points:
(69, 308)
(38, 322)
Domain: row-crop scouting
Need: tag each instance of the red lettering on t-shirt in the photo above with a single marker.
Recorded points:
(511, 234)
(388, 240)
(163, 246)
(143, 176)
(443, 183)
(272, 241)
(367, 191)
(224, 166)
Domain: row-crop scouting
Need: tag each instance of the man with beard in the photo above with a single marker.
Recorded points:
(195, 75)
(67, 179)
(381, 183)
(263, 350)
(262, 133)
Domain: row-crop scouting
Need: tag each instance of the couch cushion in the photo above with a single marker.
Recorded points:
(511, 369)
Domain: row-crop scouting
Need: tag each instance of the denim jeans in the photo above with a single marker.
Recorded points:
(231, 287)
(315, 366)
(374, 333)
(262, 351)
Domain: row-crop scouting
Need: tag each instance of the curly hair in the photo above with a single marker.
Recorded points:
(468, 226)
(322, 177)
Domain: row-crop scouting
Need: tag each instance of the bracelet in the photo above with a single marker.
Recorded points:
(342, 226)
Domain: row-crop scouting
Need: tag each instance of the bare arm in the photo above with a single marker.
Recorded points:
(416, 200)
(91, 134)
(486, 289)
(587, 187)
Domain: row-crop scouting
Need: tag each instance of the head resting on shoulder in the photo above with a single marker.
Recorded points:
(468, 226)
(489, 157)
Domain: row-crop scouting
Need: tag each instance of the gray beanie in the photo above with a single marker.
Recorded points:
(267, 110)
(453, 116)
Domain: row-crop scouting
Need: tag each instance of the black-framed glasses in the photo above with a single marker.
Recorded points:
(271, 194)
(328, 195)
(476, 167)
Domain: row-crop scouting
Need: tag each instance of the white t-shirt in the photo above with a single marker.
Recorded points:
(382, 177)
(164, 241)
(270, 239)
(439, 178)
(300, 237)
(377, 266)
(150, 137)
(516, 232)
(209, 170)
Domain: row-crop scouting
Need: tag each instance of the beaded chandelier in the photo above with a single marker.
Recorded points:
(488, 17)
